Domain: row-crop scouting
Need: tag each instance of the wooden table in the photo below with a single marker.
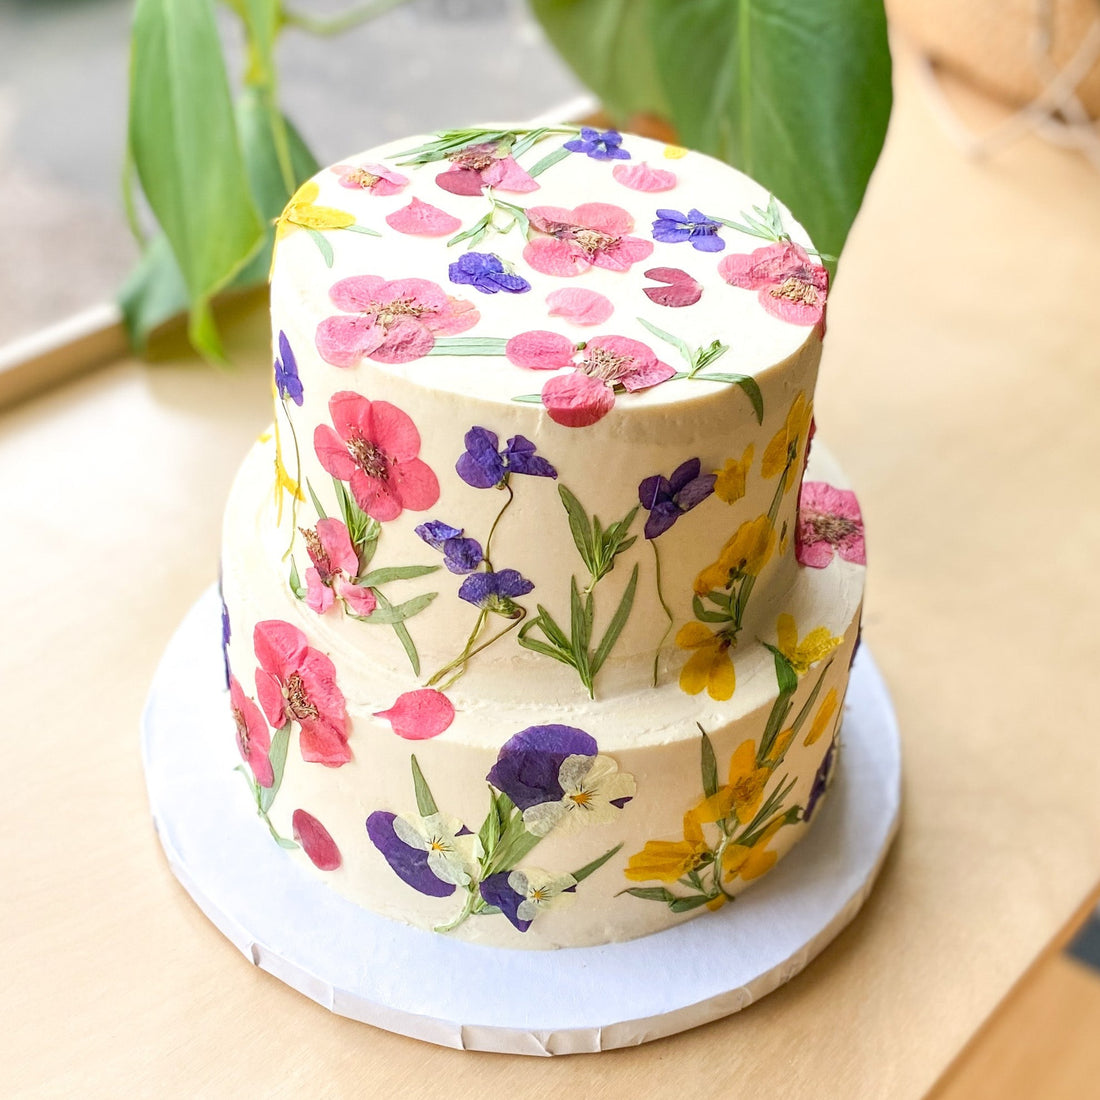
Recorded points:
(960, 389)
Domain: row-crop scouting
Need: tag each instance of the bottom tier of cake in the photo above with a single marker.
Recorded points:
(543, 822)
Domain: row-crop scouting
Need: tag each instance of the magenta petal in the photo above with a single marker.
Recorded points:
(626, 251)
(461, 181)
(506, 175)
(794, 313)
(457, 316)
(603, 216)
(393, 431)
(374, 496)
(355, 294)
(646, 374)
(315, 840)
(405, 341)
(336, 543)
(682, 289)
(576, 400)
(318, 595)
(421, 219)
(360, 600)
(817, 555)
(419, 292)
(332, 453)
(344, 341)
(555, 257)
(540, 350)
(418, 715)
(580, 306)
(640, 177)
(414, 485)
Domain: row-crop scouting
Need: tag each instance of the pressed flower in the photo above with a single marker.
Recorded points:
(421, 219)
(253, 738)
(287, 383)
(751, 861)
(779, 748)
(316, 841)
(788, 283)
(374, 448)
(296, 682)
(729, 484)
(528, 764)
(710, 667)
(227, 634)
(789, 446)
(303, 213)
(599, 146)
(674, 152)
(486, 164)
(495, 592)
(460, 555)
(823, 717)
(669, 860)
(580, 306)
(392, 321)
(486, 272)
(483, 466)
(679, 289)
(524, 893)
(816, 646)
(640, 177)
(745, 553)
(821, 781)
(375, 178)
(593, 793)
(431, 854)
(335, 566)
(668, 498)
(674, 227)
(419, 715)
(829, 521)
(743, 791)
(569, 242)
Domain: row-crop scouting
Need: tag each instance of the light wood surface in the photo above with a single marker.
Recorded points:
(960, 389)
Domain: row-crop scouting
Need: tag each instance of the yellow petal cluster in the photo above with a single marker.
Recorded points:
(710, 666)
(668, 860)
(821, 719)
(749, 861)
(818, 644)
(794, 433)
(729, 482)
(746, 552)
(302, 211)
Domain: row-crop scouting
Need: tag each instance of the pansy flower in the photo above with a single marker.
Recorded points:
(668, 498)
(556, 777)
(460, 555)
(302, 212)
(375, 178)
(829, 520)
(253, 738)
(483, 466)
(669, 860)
(673, 227)
(335, 565)
(821, 781)
(524, 893)
(486, 272)
(287, 382)
(788, 283)
(296, 682)
(607, 145)
(608, 364)
(393, 321)
(594, 234)
(374, 448)
(816, 646)
(496, 591)
(485, 164)
(316, 841)
(433, 854)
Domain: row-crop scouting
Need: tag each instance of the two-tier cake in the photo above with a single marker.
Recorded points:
(537, 628)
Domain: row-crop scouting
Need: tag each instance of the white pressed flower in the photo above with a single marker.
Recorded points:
(594, 791)
(451, 857)
(540, 891)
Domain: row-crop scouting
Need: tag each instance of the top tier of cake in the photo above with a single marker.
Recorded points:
(492, 347)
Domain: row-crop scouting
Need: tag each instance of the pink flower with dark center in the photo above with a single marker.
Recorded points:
(829, 520)
(374, 448)
(335, 565)
(788, 283)
(484, 165)
(608, 364)
(297, 683)
(316, 841)
(375, 178)
(389, 322)
(419, 715)
(253, 738)
(594, 234)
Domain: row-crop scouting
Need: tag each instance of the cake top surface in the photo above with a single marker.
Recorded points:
(582, 264)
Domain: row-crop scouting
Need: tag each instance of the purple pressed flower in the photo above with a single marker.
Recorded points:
(528, 764)
(495, 591)
(435, 533)
(482, 466)
(496, 891)
(672, 227)
(227, 633)
(821, 782)
(287, 381)
(667, 499)
(487, 273)
(605, 146)
(409, 863)
(460, 555)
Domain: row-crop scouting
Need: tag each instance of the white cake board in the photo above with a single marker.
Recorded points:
(422, 984)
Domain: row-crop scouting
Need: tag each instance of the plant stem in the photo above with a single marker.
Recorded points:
(661, 598)
(464, 660)
(467, 909)
(337, 24)
(492, 530)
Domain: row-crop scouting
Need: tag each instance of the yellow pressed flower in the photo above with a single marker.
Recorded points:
(779, 749)
(819, 643)
(301, 212)
(744, 555)
(729, 482)
(668, 860)
(284, 483)
(821, 719)
(675, 152)
(793, 434)
(749, 861)
(747, 781)
(710, 666)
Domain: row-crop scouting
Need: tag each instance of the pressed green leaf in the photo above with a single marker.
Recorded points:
(748, 384)
(595, 865)
(709, 765)
(468, 345)
(408, 645)
(316, 502)
(489, 833)
(785, 675)
(548, 161)
(578, 526)
(528, 399)
(618, 621)
(549, 625)
(324, 246)
(804, 712)
(397, 573)
(680, 345)
(651, 893)
(685, 905)
(296, 585)
(546, 650)
(425, 803)
(580, 627)
(385, 614)
(365, 230)
(277, 755)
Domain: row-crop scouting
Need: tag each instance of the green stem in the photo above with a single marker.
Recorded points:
(337, 24)
(484, 645)
(297, 478)
(466, 650)
(668, 612)
(472, 897)
(492, 530)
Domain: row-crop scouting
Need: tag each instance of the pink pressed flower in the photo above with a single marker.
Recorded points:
(253, 738)
(389, 322)
(540, 350)
(580, 306)
(421, 219)
(315, 840)
(593, 234)
(788, 283)
(375, 178)
(297, 683)
(640, 177)
(374, 448)
(335, 565)
(419, 715)
(484, 165)
(829, 520)
(576, 400)
(680, 289)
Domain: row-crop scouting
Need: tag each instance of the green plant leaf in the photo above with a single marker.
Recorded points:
(402, 632)
(490, 831)
(316, 502)
(386, 614)
(296, 585)
(579, 527)
(651, 893)
(685, 905)
(547, 161)
(425, 803)
(596, 864)
(708, 765)
(277, 755)
(749, 385)
(468, 345)
(396, 573)
(618, 621)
